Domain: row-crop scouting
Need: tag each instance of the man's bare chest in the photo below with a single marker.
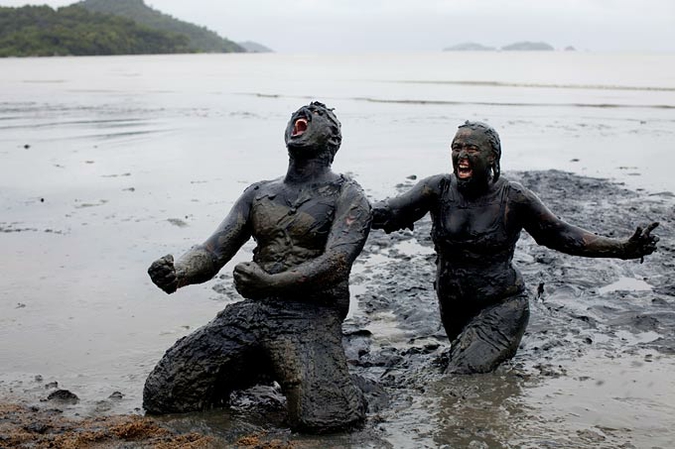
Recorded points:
(303, 216)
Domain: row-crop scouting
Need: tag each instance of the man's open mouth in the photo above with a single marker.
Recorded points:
(299, 127)
(464, 169)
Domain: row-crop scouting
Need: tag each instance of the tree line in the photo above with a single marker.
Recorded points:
(200, 38)
(76, 31)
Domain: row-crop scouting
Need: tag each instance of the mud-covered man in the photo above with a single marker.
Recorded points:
(309, 226)
(477, 217)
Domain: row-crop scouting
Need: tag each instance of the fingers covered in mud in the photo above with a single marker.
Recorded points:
(251, 281)
(641, 243)
(163, 274)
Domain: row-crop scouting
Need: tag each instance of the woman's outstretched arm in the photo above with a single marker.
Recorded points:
(404, 210)
(552, 232)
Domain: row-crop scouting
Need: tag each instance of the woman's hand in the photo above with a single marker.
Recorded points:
(384, 219)
(641, 243)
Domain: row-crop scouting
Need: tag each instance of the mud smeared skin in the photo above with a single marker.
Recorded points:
(477, 217)
(309, 227)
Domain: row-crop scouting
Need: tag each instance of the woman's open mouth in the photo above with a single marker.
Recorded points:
(299, 127)
(464, 170)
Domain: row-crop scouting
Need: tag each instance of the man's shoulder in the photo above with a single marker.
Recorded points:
(264, 185)
(347, 179)
(347, 183)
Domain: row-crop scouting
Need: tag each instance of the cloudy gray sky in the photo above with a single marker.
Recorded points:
(428, 25)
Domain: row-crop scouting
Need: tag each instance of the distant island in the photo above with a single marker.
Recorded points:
(469, 46)
(254, 47)
(517, 46)
(528, 46)
(104, 27)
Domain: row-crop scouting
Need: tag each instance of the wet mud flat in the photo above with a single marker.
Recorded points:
(599, 328)
(594, 369)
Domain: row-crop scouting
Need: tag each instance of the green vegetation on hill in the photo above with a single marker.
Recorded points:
(201, 39)
(43, 31)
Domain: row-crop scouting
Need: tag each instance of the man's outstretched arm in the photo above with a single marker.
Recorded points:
(202, 262)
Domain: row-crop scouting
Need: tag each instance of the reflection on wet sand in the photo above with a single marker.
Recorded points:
(479, 411)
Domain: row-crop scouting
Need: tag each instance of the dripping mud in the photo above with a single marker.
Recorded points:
(594, 368)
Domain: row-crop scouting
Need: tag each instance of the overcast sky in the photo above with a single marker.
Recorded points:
(428, 25)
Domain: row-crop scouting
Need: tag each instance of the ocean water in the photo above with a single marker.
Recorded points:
(111, 162)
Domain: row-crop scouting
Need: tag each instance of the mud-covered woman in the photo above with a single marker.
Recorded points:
(477, 217)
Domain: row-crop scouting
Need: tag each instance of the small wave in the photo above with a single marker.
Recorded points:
(511, 104)
(477, 103)
(538, 85)
(117, 135)
(105, 123)
(43, 81)
(123, 93)
(262, 95)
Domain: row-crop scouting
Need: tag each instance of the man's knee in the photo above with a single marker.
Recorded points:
(327, 410)
(313, 372)
(200, 370)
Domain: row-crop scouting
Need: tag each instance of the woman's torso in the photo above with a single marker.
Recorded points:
(475, 240)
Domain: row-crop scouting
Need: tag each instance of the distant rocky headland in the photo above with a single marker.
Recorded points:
(516, 46)
(104, 27)
(254, 47)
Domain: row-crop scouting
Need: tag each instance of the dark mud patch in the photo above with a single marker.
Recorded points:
(177, 222)
(16, 227)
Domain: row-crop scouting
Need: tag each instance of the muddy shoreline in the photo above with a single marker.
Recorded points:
(586, 313)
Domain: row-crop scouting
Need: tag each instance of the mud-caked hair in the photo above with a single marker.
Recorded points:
(335, 126)
(493, 139)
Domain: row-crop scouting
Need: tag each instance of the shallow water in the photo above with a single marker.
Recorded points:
(111, 162)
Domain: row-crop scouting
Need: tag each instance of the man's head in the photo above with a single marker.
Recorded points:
(476, 151)
(313, 131)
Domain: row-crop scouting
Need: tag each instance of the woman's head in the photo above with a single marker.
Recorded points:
(476, 151)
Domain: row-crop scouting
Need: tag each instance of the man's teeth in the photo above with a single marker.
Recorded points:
(299, 127)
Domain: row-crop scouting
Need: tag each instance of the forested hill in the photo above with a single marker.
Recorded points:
(200, 39)
(71, 30)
